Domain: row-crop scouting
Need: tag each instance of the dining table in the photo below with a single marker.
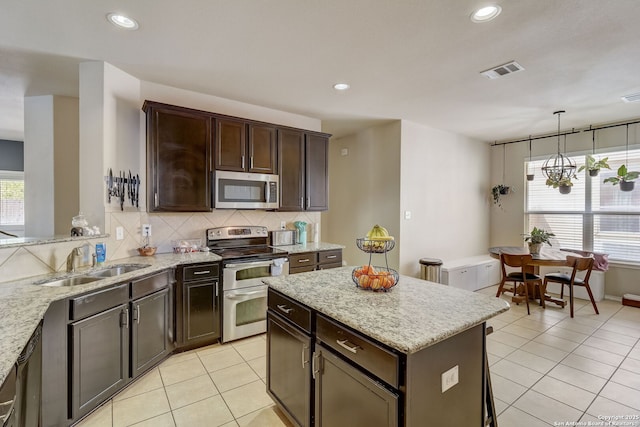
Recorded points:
(548, 256)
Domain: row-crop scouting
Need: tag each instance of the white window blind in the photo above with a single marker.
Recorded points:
(11, 201)
(595, 216)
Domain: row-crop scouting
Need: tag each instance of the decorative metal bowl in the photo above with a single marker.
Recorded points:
(375, 246)
(377, 279)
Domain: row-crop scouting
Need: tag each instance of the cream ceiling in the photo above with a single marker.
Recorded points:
(417, 60)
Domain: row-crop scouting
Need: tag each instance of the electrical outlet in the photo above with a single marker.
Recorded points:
(407, 214)
(119, 233)
(146, 230)
(449, 378)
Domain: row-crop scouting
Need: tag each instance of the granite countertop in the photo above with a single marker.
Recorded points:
(309, 247)
(413, 315)
(24, 304)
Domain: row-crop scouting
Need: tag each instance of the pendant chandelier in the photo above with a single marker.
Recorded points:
(558, 168)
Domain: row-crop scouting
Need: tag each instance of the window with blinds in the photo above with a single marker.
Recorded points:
(11, 201)
(595, 216)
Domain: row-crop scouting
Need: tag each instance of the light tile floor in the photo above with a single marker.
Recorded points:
(546, 369)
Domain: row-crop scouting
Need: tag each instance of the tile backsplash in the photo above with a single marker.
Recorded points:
(27, 261)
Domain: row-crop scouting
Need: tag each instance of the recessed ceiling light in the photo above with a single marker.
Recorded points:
(122, 21)
(486, 13)
(341, 86)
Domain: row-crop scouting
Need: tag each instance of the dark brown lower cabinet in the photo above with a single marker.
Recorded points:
(149, 331)
(100, 358)
(345, 396)
(357, 381)
(289, 369)
(197, 305)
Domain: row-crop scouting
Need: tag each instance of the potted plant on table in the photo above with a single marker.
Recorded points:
(625, 178)
(536, 238)
(594, 166)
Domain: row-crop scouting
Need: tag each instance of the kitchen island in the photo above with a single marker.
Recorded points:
(413, 356)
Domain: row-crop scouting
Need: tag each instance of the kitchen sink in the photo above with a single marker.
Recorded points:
(69, 281)
(116, 270)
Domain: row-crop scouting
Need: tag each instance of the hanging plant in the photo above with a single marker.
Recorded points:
(497, 191)
(594, 166)
(564, 185)
(625, 178)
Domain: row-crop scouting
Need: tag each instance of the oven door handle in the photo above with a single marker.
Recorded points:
(245, 265)
(244, 295)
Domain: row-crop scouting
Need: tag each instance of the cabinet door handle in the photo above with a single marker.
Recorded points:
(242, 162)
(251, 162)
(343, 343)
(284, 308)
(195, 273)
(302, 202)
(332, 256)
(308, 202)
(304, 260)
(304, 351)
(138, 314)
(125, 321)
(314, 365)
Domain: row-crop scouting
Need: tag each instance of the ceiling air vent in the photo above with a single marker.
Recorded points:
(634, 97)
(502, 70)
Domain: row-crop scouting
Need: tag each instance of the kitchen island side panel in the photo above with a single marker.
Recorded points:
(427, 370)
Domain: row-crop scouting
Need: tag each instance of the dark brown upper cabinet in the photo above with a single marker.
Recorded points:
(179, 147)
(245, 147)
(303, 170)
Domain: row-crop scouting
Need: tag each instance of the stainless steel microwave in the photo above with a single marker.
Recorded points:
(241, 190)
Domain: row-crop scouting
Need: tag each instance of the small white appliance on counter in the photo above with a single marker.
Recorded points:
(282, 237)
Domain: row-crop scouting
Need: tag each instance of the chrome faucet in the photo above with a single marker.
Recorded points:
(71, 259)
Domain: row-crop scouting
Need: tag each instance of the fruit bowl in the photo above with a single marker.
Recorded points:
(377, 279)
(147, 250)
(375, 246)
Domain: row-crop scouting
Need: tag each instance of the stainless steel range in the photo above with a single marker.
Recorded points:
(246, 259)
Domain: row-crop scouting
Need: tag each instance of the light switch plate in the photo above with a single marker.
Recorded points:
(449, 378)
(407, 214)
(119, 233)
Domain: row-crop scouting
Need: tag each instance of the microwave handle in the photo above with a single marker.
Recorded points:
(267, 192)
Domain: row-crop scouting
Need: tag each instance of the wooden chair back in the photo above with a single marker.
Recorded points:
(513, 260)
(580, 264)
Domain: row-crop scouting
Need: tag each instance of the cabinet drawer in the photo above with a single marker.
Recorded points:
(96, 302)
(150, 284)
(290, 309)
(200, 271)
(303, 260)
(330, 257)
(328, 266)
(379, 361)
(297, 270)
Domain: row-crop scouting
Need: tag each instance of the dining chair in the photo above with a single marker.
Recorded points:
(522, 276)
(578, 265)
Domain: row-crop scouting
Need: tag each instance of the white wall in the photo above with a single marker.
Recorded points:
(51, 164)
(364, 191)
(109, 134)
(507, 224)
(443, 180)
